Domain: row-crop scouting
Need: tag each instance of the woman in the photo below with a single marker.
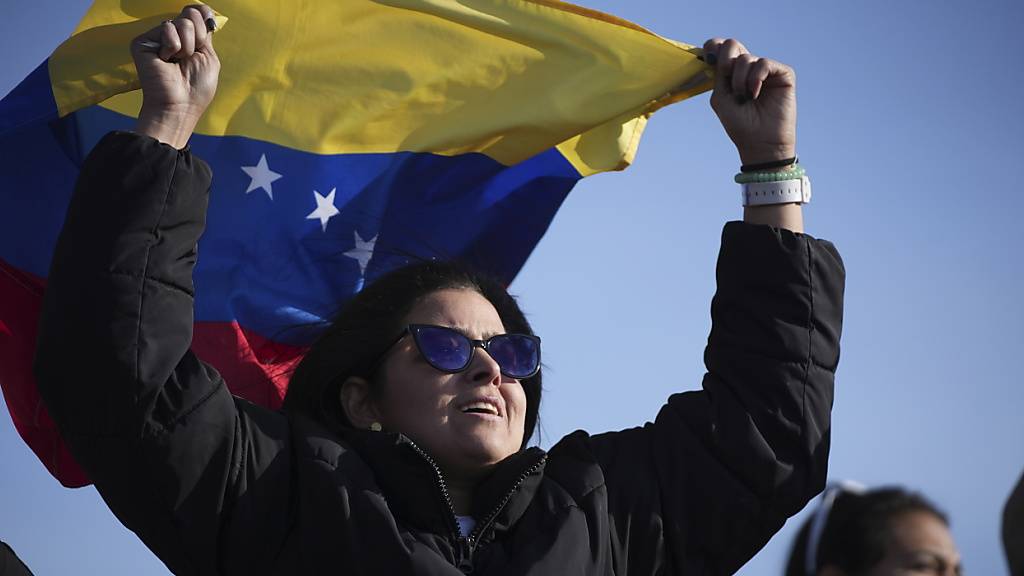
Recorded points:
(882, 532)
(401, 446)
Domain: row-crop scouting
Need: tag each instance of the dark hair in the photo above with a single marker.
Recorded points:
(857, 532)
(370, 322)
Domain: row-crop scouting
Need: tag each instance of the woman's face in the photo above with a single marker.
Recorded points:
(430, 406)
(920, 545)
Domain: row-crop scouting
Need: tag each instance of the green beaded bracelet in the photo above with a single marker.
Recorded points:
(795, 173)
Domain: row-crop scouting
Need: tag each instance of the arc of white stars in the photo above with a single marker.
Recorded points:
(363, 251)
(325, 209)
(261, 176)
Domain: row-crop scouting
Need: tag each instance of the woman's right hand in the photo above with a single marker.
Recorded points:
(179, 79)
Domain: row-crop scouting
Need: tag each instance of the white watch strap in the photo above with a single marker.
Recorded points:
(784, 192)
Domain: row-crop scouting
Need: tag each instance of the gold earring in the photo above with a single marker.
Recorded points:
(376, 427)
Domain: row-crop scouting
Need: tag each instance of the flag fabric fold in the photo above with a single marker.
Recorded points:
(346, 138)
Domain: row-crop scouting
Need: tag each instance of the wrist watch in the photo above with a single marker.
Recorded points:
(796, 191)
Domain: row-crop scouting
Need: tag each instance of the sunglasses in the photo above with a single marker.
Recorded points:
(451, 351)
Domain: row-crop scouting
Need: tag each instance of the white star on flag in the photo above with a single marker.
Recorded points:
(363, 251)
(325, 209)
(261, 176)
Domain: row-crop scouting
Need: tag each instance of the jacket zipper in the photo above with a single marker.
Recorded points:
(453, 523)
(464, 555)
(467, 544)
(482, 527)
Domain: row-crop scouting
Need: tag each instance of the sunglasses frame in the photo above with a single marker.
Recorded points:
(412, 330)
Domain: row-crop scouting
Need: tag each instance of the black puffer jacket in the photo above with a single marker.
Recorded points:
(216, 485)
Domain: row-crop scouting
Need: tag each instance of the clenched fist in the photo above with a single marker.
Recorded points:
(178, 70)
(755, 99)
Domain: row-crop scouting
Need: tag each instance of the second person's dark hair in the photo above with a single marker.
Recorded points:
(369, 323)
(857, 530)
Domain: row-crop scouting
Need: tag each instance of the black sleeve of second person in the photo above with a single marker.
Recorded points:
(10, 564)
(1013, 529)
(172, 453)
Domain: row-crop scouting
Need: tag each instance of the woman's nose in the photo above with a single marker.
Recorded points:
(484, 368)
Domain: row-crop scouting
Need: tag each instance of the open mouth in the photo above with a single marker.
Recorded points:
(481, 408)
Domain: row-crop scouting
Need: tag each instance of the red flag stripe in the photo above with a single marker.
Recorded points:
(254, 367)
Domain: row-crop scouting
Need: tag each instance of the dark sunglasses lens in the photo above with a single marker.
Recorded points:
(443, 348)
(517, 355)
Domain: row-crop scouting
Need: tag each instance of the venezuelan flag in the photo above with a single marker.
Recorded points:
(346, 138)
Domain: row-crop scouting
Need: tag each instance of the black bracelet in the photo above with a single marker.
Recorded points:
(769, 165)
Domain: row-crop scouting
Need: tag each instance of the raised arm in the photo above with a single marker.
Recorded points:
(173, 454)
(703, 487)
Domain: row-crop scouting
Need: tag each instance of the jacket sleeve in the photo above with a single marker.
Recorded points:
(180, 461)
(1013, 529)
(720, 470)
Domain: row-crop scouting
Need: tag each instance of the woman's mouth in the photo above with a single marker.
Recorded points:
(483, 407)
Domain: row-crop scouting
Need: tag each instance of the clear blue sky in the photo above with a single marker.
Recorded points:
(911, 129)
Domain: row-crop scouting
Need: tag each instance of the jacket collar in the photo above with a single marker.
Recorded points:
(502, 498)
(417, 494)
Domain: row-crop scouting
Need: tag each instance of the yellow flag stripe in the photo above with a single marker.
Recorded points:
(506, 78)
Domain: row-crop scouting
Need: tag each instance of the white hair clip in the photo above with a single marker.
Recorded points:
(820, 520)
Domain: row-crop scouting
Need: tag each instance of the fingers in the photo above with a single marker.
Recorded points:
(722, 54)
(757, 75)
(208, 15)
(740, 70)
(740, 74)
(199, 15)
(178, 39)
(186, 34)
(711, 48)
(150, 42)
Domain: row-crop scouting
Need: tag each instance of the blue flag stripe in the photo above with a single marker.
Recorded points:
(273, 258)
(29, 103)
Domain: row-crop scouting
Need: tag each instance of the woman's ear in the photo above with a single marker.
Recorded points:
(357, 402)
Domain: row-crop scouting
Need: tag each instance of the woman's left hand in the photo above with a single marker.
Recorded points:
(755, 99)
